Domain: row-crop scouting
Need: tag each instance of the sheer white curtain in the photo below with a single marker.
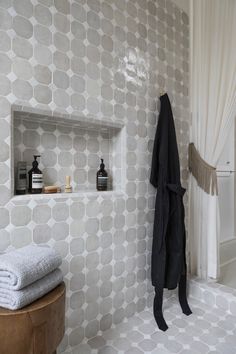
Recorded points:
(213, 106)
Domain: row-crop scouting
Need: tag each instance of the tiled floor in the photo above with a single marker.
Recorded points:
(207, 330)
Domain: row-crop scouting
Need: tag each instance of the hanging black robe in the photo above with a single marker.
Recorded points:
(169, 238)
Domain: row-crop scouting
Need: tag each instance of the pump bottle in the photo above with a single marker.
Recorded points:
(102, 178)
(35, 178)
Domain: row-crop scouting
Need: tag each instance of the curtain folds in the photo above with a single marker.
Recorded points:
(213, 106)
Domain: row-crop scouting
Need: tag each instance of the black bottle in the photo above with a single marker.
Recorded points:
(21, 177)
(35, 178)
(102, 178)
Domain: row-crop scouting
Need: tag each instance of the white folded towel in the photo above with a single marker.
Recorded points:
(24, 266)
(14, 300)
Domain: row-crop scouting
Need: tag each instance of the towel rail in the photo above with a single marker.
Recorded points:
(230, 171)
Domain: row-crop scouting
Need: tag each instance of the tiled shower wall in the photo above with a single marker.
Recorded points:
(101, 59)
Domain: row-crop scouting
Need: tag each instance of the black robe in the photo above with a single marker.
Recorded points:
(168, 267)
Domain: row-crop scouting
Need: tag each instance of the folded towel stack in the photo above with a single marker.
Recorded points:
(27, 274)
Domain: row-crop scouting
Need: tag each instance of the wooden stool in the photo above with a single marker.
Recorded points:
(35, 329)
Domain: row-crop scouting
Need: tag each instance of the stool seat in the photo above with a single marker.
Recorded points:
(37, 328)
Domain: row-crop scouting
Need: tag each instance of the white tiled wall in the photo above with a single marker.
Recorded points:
(100, 60)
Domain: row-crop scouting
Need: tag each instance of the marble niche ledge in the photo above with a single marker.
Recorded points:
(17, 199)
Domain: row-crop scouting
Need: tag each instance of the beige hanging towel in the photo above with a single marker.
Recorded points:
(204, 173)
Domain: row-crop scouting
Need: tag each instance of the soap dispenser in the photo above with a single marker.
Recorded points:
(35, 178)
(102, 178)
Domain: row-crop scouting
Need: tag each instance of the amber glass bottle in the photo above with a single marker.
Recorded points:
(102, 178)
(35, 178)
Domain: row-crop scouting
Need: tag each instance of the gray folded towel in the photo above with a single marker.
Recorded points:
(14, 300)
(26, 265)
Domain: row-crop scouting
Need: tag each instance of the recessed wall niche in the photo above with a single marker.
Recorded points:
(69, 146)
